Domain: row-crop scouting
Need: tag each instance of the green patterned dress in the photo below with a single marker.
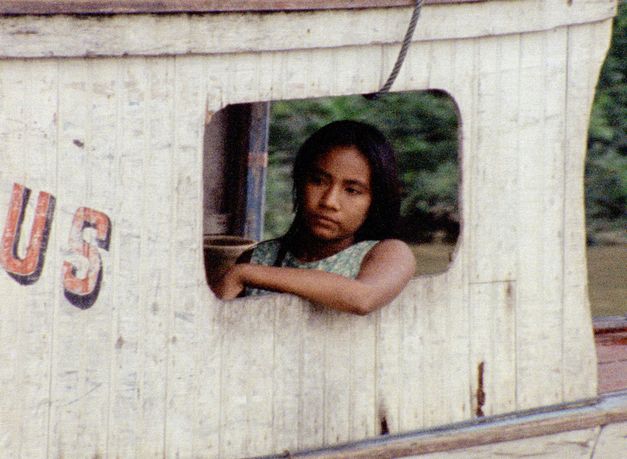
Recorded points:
(346, 263)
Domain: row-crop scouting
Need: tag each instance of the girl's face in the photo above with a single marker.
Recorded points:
(337, 195)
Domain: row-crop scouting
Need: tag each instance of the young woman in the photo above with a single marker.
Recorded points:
(339, 251)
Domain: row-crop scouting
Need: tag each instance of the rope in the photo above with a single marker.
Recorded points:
(401, 54)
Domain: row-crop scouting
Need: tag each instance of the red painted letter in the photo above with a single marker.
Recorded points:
(28, 269)
(82, 292)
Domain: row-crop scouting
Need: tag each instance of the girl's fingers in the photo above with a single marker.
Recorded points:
(230, 286)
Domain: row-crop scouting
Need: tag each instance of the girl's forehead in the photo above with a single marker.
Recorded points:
(343, 154)
(347, 162)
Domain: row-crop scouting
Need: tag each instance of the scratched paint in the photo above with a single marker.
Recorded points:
(82, 272)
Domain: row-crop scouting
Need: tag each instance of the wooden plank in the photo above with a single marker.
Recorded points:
(155, 255)
(531, 425)
(387, 395)
(612, 442)
(47, 36)
(492, 167)
(361, 409)
(413, 357)
(337, 378)
(256, 432)
(436, 401)
(127, 311)
(312, 387)
(493, 347)
(184, 347)
(576, 444)
(246, 402)
(194, 6)
(587, 47)
(456, 313)
(539, 275)
(289, 325)
(238, 330)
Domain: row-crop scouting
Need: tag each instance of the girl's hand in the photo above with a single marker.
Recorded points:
(231, 284)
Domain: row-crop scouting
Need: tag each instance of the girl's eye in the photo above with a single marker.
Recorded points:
(353, 191)
(315, 179)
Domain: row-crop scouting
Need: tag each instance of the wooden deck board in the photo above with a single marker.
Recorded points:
(611, 345)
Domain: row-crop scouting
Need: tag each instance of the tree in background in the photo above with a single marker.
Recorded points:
(606, 165)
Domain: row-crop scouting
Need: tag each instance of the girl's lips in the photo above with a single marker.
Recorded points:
(323, 219)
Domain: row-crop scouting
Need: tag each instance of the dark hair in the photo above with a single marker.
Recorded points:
(385, 206)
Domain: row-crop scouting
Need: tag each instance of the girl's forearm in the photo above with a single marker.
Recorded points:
(328, 289)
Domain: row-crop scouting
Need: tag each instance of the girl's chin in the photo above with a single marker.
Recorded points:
(328, 236)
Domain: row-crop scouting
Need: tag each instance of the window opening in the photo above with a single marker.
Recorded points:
(241, 140)
(422, 127)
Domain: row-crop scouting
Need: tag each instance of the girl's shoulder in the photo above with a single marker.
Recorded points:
(392, 251)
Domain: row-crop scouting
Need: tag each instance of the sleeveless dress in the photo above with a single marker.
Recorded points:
(345, 263)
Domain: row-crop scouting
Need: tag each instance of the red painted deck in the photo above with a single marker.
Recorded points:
(611, 342)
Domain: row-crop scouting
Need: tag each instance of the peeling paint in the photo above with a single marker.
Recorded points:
(480, 392)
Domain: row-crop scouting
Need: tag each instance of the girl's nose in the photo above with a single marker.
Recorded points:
(330, 198)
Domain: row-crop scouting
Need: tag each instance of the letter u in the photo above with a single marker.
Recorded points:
(26, 270)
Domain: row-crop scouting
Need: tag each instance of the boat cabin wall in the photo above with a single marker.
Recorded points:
(111, 342)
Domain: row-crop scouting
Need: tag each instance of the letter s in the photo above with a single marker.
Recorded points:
(83, 292)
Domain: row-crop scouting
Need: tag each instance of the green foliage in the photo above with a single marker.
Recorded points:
(606, 165)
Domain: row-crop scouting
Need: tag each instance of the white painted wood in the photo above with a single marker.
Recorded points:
(388, 386)
(362, 416)
(337, 377)
(586, 48)
(574, 444)
(159, 367)
(287, 378)
(538, 268)
(311, 403)
(493, 167)
(154, 276)
(44, 36)
(413, 361)
(131, 134)
(612, 442)
(189, 105)
(493, 347)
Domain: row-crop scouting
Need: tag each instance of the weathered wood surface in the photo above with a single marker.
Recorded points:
(612, 442)
(195, 6)
(571, 430)
(151, 363)
(155, 35)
